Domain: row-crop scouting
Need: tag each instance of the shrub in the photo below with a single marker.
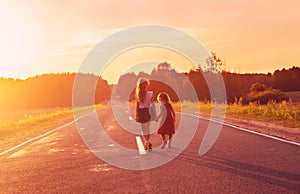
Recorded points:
(262, 94)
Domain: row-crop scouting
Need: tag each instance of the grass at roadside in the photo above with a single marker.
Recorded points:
(284, 114)
(276, 119)
(18, 126)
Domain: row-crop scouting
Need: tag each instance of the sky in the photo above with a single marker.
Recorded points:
(48, 36)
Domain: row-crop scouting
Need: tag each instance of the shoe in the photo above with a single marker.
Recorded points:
(163, 145)
(146, 146)
(150, 147)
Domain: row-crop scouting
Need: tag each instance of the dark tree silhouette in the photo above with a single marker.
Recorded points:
(45, 91)
(287, 80)
(237, 85)
(55, 90)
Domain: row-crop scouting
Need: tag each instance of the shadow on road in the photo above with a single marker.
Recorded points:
(259, 173)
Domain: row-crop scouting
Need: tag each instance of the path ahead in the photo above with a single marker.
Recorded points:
(239, 162)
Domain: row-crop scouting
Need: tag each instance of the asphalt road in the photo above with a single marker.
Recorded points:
(239, 162)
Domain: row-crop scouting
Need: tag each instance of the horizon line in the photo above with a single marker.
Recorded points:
(74, 72)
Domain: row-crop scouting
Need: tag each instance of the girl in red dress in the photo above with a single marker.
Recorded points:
(167, 116)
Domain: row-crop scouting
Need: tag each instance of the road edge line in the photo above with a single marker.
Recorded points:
(244, 129)
(42, 135)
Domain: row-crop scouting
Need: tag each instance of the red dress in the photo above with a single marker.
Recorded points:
(167, 122)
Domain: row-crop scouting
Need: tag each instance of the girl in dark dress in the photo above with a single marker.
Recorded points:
(144, 96)
(167, 116)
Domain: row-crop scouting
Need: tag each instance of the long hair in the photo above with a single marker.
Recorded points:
(141, 89)
(164, 96)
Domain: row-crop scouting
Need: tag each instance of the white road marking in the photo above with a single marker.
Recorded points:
(138, 139)
(54, 150)
(243, 129)
(110, 127)
(101, 168)
(140, 145)
(43, 135)
(18, 154)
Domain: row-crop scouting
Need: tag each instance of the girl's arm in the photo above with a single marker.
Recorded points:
(173, 113)
(162, 111)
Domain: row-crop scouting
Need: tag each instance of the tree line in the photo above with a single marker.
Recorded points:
(46, 91)
(55, 90)
(237, 85)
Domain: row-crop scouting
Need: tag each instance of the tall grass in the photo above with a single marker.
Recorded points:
(284, 113)
(40, 117)
(186, 106)
(21, 125)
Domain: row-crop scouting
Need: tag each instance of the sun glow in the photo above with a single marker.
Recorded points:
(16, 42)
(54, 36)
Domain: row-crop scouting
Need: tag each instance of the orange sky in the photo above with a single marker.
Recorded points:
(54, 36)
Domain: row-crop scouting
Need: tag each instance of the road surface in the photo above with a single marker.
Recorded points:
(239, 162)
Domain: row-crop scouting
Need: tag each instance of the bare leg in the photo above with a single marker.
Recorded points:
(146, 133)
(164, 142)
(163, 138)
(170, 140)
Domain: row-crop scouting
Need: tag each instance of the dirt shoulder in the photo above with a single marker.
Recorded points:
(268, 128)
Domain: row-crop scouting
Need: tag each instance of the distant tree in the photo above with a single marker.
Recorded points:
(234, 86)
(214, 64)
(199, 83)
(287, 80)
(164, 66)
(125, 86)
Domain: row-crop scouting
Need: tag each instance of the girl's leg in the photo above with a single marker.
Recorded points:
(148, 136)
(164, 141)
(146, 133)
(163, 137)
(170, 140)
(145, 140)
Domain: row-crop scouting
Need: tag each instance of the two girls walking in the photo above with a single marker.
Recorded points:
(143, 116)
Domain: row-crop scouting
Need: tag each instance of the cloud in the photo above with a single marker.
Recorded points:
(79, 42)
